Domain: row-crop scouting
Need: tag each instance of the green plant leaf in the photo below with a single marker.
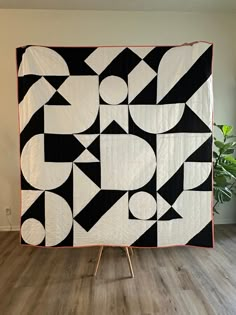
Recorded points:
(220, 180)
(228, 192)
(230, 145)
(227, 160)
(222, 194)
(229, 171)
(219, 144)
(224, 169)
(229, 166)
(224, 166)
(226, 129)
(227, 146)
(230, 159)
(228, 151)
(232, 172)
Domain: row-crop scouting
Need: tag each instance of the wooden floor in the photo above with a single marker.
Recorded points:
(37, 281)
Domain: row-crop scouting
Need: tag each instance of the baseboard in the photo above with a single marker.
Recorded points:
(8, 228)
(225, 221)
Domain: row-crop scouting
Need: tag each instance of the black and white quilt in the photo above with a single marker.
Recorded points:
(116, 145)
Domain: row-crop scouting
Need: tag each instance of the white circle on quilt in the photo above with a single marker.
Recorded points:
(32, 232)
(142, 205)
(113, 90)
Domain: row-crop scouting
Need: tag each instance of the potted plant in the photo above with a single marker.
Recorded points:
(224, 164)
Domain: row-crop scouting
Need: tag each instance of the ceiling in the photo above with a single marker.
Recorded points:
(130, 5)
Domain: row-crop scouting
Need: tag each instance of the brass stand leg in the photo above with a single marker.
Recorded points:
(129, 261)
(98, 260)
(128, 257)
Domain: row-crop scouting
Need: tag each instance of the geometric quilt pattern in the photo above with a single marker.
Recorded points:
(116, 145)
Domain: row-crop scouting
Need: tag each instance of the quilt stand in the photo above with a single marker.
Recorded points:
(127, 249)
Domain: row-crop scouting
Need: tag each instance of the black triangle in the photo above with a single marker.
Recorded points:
(170, 215)
(205, 186)
(171, 190)
(203, 238)
(148, 95)
(203, 153)
(189, 122)
(92, 170)
(66, 190)
(114, 128)
(148, 239)
(94, 148)
(25, 83)
(57, 99)
(56, 80)
(36, 210)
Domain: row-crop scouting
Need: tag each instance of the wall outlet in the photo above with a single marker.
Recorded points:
(8, 211)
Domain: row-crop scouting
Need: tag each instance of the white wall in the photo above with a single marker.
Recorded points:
(22, 27)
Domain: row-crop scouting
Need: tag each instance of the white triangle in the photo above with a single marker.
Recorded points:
(84, 190)
(86, 157)
(141, 51)
(28, 197)
(86, 140)
(198, 101)
(139, 78)
(162, 206)
(101, 57)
